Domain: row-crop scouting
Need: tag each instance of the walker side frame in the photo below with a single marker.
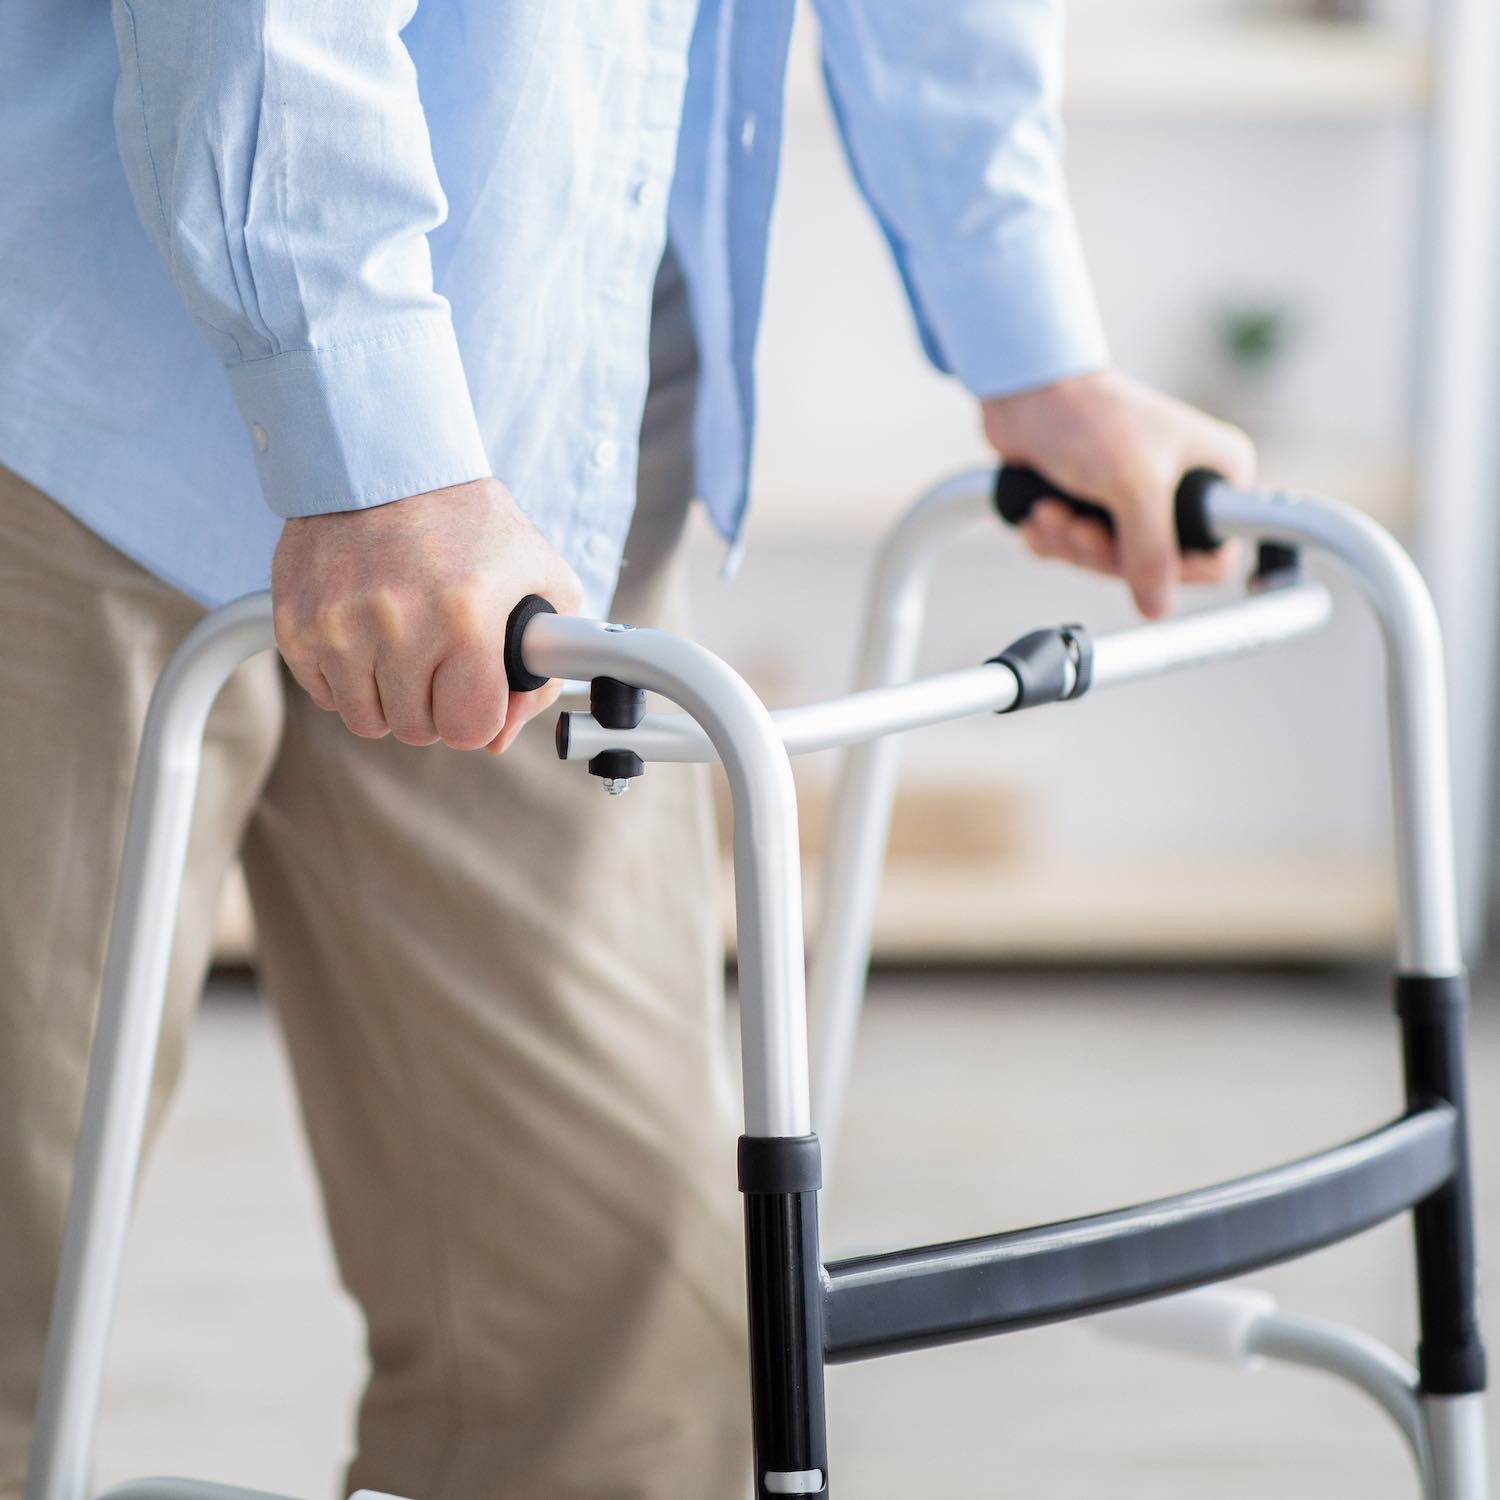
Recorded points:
(804, 1315)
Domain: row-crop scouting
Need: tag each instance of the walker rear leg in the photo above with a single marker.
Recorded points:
(1450, 1354)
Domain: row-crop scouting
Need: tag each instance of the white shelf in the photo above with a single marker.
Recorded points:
(1202, 904)
(1230, 69)
(1268, 70)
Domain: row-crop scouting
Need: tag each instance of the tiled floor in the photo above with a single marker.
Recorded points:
(980, 1101)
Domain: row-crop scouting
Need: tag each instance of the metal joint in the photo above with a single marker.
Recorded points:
(1050, 666)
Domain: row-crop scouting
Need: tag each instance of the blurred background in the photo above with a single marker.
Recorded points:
(1107, 936)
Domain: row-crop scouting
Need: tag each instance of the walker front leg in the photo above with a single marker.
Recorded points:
(123, 1057)
(1432, 992)
(779, 1166)
(866, 788)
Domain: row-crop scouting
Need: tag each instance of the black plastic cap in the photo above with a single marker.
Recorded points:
(1194, 534)
(1452, 1372)
(1018, 488)
(517, 677)
(617, 765)
(615, 704)
(1276, 563)
(780, 1164)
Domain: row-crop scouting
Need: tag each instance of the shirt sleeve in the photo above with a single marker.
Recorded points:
(952, 129)
(278, 156)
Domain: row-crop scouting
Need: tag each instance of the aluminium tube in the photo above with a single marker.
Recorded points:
(123, 1056)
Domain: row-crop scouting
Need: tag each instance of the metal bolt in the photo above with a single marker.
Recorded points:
(616, 785)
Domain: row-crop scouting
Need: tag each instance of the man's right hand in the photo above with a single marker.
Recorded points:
(394, 617)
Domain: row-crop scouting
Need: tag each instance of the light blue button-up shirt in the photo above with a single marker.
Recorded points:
(261, 260)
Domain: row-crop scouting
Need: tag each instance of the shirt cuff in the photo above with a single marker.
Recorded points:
(360, 425)
(1014, 313)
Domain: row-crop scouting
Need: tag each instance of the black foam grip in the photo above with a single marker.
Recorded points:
(1018, 488)
(519, 679)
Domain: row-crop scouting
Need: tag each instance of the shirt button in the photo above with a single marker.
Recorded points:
(262, 438)
(647, 194)
(599, 545)
(747, 133)
(606, 453)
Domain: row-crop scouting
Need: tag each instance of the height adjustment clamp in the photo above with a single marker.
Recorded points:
(1050, 666)
(615, 705)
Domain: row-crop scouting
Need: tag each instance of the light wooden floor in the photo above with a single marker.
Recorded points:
(981, 1101)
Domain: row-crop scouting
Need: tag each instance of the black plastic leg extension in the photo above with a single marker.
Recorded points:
(780, 1178)
(1450, 1358)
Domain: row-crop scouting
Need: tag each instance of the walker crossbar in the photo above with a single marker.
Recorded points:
(940, 1294)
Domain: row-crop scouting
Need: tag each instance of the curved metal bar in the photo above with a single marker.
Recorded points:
(1241, 1326)
(860, 820)
(1428, 938)
(150, 882)
(767, 867)
(125, 1040)
(1379, 1372)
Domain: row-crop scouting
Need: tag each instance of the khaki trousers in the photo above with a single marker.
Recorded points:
(501, 995)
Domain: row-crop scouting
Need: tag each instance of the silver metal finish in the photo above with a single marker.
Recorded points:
(124, 1050)
(725, 719)
(1362, 1361)
(1210, 635)
(865, 793)
(767, 869)
(616, 786)
(773, 1004)
(1428, 939)
(1127, 656)
(860, 822)
(1242, 1326)
(817, 726)
(1458, 1443)
(793, 1482)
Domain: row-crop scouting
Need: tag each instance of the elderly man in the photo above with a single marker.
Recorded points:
(356, 297)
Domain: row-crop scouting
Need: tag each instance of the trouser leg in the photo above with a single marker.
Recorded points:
(501, 991)
(83, 634)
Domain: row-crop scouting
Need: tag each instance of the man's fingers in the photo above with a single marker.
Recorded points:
(1090, 545)
(1212, 567)
(310, 678)
(1045, 529)
(356, 698)
(302, 660)
(520, 711)
(469, 697)
(1148, 552)
(407, 701)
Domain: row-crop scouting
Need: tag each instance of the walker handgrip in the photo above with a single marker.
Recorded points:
(517, 677)
(1018, 488)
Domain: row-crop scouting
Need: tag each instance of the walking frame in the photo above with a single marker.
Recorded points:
(1161, 1262)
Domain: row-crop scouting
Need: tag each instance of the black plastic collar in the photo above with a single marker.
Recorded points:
(1040, 662)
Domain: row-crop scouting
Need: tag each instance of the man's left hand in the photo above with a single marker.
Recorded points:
(1107, 438)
